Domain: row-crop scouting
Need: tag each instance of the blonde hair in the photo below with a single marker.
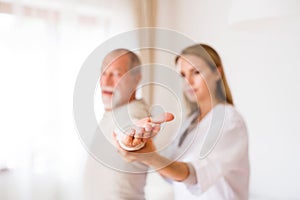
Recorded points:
(214, 61)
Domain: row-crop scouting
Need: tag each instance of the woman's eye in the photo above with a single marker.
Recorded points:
(196, 72)
(182, 74)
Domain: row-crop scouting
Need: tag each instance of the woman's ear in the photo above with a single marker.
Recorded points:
(220, 69)
(219, 72)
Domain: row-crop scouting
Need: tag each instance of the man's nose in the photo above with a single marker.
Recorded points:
(106, 80)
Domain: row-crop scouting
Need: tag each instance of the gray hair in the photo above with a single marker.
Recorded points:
(115, 54)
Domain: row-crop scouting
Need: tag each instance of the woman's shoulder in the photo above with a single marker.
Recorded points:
(232, 116)
(231, 112)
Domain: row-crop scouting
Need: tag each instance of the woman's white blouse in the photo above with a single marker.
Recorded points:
(217, 149)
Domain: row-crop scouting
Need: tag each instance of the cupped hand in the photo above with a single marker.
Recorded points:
(143, 130)
(141, 155)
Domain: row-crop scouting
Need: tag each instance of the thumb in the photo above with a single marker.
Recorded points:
(164, 117)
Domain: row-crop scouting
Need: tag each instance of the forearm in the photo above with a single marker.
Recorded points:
(174, 170)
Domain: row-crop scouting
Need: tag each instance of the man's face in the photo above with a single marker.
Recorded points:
(116, 82)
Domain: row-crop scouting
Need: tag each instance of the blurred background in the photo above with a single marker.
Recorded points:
(44, 43)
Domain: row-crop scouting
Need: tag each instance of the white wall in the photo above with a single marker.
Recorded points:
(260, 58)
(261, 61)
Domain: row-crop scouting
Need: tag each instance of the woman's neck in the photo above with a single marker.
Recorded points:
(206, 106)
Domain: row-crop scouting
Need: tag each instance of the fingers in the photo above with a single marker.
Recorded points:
(165, 117)
(142, 122)
(131, 138)
(136, 142)
(144, 129)
(139, 132)
(138, 136)
(155, 129)
(128, 137)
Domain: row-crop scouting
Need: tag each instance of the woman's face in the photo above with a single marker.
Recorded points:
(200, 80)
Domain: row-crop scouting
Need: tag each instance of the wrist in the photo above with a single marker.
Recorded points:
(157, 162)
(151, 159)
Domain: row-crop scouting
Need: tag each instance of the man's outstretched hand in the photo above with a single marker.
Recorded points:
(135, 137)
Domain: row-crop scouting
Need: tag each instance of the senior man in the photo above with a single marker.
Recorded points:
(120, 76)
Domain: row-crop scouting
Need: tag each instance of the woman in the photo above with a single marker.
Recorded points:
(211, 152)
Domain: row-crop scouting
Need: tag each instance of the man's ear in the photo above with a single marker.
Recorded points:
(138, 78)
